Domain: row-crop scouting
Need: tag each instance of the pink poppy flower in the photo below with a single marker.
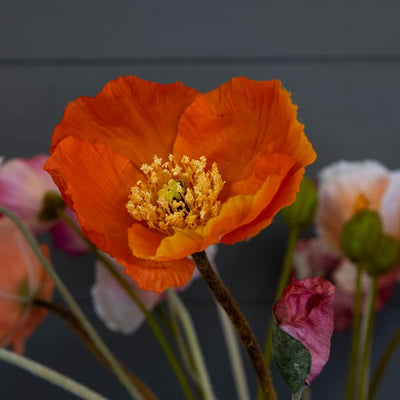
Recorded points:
(313, 258)
(305, 312)
(22, 279)
(23, 186)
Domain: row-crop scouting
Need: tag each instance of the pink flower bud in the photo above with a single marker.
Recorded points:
(305, 312)
(23, 187)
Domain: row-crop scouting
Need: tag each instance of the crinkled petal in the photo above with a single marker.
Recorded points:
(135, 117)
(95, 182)
(242, 119)
(237, 211)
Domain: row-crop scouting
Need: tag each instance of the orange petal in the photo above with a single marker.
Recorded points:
(239, 210)
(95, 182)
(158, 276)
(135, 117)
(241, 119)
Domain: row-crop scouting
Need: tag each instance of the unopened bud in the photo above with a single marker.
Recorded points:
(361, 235)
(385, 256)
(301, 213)
(52, 203)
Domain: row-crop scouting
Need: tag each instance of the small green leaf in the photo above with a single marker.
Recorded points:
(291, 357)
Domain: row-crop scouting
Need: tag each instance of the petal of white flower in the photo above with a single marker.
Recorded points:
(390, 207)
(112, 304)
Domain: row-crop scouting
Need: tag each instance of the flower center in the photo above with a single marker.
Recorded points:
(362, 203)
(176, 195)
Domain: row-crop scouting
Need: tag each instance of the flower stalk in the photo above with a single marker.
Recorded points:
(98, 342)
(67, 316)
(158, 333)
(383, 363)
(351, 379)
(179, 309)
(49, 375)
(246, 336)
(366, 337)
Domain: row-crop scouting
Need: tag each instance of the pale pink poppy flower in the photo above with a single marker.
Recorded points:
(305, 312)
(347, 187)
(115, 308)
(23, 186)
(22, 279)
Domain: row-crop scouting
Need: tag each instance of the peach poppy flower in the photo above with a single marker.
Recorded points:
(22, 279)
(157, 172)
(347, 187)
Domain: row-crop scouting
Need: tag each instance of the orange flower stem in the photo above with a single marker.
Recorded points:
(246, 336)
(73, 305)
(158, 333)
(67, 316)
(351, 379)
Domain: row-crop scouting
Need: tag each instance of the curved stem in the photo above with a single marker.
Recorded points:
(246, 336)
(368, 327)
(234, 355)
(50, 375)
(150, 319)
(232, 345)
(384, 362)
(355, 338)
(67, 316)
(179, 308)
(101, 346)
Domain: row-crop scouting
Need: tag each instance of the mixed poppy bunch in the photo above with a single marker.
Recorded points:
(150, 178)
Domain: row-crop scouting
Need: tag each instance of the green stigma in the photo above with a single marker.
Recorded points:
(173, 190)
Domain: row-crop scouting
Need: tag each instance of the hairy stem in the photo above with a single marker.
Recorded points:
(246, 336)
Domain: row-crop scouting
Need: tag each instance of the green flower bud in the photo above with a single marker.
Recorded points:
(361, 235)
(52, 203)
(385, 256)
(301, 213)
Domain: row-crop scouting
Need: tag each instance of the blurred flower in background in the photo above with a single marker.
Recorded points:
(22, 280)
(29, 191)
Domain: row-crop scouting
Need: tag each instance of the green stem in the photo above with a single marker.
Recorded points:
(283, 281)
(50, 375)
(384, 362)
(246, 336)
(232, 345)
(150, 319)
(101, 346)
(351, 379)
(179, 308)
(366, 345)
(73, 322)
(234, 355)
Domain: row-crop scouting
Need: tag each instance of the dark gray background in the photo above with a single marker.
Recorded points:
(341, 63)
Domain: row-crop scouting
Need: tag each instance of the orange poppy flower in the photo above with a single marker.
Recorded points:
(22, 279)
(158, 172)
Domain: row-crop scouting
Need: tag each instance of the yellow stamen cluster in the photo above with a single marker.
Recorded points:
(176, 195)
(362, 203)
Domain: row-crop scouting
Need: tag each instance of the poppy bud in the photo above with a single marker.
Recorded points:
(301, 213)
(384, 258)
(303, 330)
(52, 203)
(360, 236)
